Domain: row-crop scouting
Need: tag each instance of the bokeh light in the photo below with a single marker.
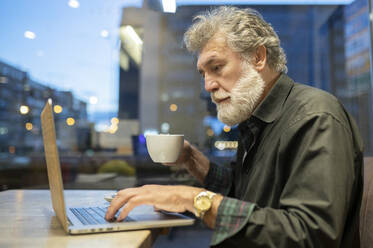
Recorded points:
(227, 129)
(210, 132)
(24, 109)
(104, 33)
(93, 100)
(173, 107)
(12, 149)
(57, 109)
(28, 126)
(70, 121)
(74, 4)
(114, 121)
(29, 35)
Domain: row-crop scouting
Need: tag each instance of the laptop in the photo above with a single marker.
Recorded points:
(90, 219)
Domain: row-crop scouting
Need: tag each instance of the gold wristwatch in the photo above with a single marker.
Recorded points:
(202, 203)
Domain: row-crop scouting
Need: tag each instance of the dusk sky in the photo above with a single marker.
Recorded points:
(69, 50)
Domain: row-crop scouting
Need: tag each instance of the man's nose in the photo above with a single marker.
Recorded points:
(211, 84)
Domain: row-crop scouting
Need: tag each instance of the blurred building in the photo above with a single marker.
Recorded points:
(357, 91)
(21, 102)
(129, 87)
(169, 85)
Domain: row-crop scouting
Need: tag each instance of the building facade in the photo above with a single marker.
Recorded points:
(21, 102)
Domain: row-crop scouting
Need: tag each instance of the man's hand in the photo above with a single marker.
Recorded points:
(194, 161)
(184, 156)
(168, 198)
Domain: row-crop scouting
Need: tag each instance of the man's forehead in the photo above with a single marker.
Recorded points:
(206, 58)
(214, 48)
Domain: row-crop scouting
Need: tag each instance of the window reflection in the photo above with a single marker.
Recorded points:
(133, 76)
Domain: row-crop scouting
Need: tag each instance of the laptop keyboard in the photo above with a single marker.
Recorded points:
(94, 215)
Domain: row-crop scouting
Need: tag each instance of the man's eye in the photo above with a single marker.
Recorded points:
(217, 67)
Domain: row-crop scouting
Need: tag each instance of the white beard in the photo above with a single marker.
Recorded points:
(244, 97)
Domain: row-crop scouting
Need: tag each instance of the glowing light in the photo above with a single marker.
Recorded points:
(57, 109)
(124, 60)
(114, 121)
(104, 33)
(12, 149)
(3, 80)
(173, 107)
(28, 126)
(164, 97)
(150, 132)
(165, 127)
(29, 35)
(113, 129)
(169, 6)
(132, 33)
(210, 132)
(26, 87)
(232, 144)
(74, 4)
(24, 109)
(93, 100)
(131, 42)
(221, 145)
(227, 129)
(70, 121)
(3, 130)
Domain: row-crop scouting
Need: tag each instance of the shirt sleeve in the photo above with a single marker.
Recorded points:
(317, 154)
(218, 179)
(232, 217)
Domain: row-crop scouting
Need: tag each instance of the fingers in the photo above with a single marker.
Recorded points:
(120, 199)
(131, 198)
(168, 198)
(184, 155)
(131, 204)
(186, 144)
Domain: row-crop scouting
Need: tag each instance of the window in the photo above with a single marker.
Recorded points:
(116, 71)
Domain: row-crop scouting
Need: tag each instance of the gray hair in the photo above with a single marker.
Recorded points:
(244, 29)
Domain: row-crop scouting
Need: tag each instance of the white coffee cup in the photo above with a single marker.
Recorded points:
(164, 148)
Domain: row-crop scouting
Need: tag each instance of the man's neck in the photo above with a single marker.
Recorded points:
(270, 78)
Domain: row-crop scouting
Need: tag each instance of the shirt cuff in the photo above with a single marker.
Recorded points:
(232, 216)
(218, 179)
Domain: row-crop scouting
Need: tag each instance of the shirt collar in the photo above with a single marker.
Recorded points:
(270, 107)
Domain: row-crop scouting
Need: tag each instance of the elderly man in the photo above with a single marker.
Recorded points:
(297, 179)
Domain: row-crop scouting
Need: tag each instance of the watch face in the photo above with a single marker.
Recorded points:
(203, 203)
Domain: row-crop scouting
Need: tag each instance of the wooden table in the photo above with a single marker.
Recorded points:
(27, 219)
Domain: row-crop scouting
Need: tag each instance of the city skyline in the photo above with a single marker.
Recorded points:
(66, 46)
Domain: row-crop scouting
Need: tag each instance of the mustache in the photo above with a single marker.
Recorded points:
(219, 95)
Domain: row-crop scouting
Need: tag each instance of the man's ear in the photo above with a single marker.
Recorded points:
(260, 58)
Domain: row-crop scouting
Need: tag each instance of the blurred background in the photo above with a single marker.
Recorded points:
(118, 70)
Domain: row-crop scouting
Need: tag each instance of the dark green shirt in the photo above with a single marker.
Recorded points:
(297, 180)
